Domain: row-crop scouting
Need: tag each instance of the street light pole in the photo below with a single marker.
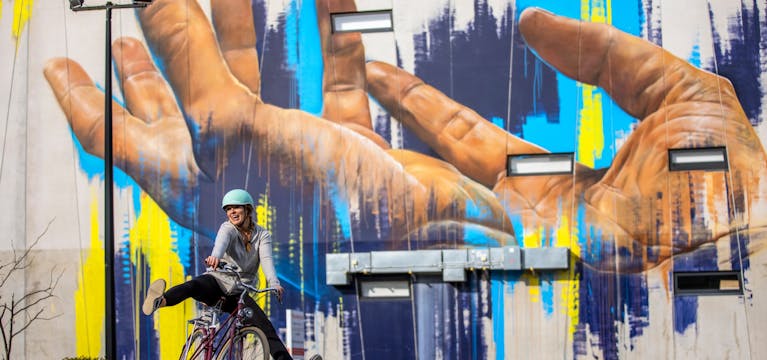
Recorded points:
(109, 236)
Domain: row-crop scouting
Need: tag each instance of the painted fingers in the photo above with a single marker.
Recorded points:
(461, 136)
(236, 33)
(640, 76)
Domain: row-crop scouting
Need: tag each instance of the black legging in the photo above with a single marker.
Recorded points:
(205, 289)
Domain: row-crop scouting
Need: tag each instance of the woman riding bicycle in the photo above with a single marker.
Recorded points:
(239, 242)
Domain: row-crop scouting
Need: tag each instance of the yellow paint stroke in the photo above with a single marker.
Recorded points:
(22, 11)
(590, 132)
(263, 216)
(533, 239)
(591, 129)
(567, 236)
(89, 296)
(153, 242)
(301, 254)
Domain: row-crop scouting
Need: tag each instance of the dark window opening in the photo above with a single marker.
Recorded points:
(708, 283)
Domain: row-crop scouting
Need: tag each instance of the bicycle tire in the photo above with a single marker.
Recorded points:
(192, 349)
(249, 343)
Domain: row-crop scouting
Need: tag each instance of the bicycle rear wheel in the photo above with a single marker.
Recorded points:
(193, 348)
(248, 344)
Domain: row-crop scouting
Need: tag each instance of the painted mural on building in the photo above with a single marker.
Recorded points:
(397, 141)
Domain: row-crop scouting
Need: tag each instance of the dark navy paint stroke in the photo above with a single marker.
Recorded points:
(685, 312)
(603, 298)
(278, 83)
(472, 67)
(607, 297)
(533, 89)
(647, 17)
(635, 294)
(741, 62)
(147, 341)
(124, 301)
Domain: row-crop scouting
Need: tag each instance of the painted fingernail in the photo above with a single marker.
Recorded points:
(546, 11)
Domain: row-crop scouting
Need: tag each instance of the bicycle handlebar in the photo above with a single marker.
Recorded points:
(225, 268)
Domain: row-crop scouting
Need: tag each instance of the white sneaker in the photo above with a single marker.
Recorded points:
(153, 296)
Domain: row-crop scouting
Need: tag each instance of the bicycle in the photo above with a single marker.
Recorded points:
(230, 339)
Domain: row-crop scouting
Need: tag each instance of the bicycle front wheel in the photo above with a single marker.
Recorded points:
(248, 344)
(193, 348)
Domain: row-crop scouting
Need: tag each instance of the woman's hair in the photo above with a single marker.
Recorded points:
(250, 217)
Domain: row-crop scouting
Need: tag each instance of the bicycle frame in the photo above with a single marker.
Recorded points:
(212, 330)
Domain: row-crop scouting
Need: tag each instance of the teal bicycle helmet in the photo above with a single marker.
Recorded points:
(237, 197)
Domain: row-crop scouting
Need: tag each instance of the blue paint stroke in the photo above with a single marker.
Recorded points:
(182, 238)
(685, 312)
(547, 293)
(304, 54)
(309, 73)
(340, 206)
(497, 121)
(93, 167)
(476, 235)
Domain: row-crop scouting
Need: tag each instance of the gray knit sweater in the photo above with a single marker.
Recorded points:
(229, 247)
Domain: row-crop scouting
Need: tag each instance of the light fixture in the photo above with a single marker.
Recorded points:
(709, 158)
(75, 3)
(363, 21)
(393, 288)
(539, 164)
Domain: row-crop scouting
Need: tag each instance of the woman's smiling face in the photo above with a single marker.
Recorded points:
(236, 214)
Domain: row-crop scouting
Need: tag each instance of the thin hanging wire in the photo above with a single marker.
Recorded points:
(359, 317)
(408, 196)
(10, 90)
(616, 248)
(261, 64)
(74, 152)
(413, 314)
(451, 74)
(728, 174)
(338, 126)
(332, 51)
(196, 220)
(573, 220)
(509, 97)
(669, 204)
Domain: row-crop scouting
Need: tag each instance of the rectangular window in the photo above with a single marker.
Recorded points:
(539, 164)
(377, 289)
(363, 21)
(712, 158)
(708, 283)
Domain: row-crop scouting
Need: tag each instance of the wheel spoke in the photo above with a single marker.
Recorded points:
(248, 344)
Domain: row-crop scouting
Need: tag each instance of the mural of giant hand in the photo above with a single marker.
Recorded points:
(185, 156)
(197, 135)
(642, 210)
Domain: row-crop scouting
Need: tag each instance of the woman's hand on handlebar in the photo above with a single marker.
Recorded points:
(212, 261)
(279, 289)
